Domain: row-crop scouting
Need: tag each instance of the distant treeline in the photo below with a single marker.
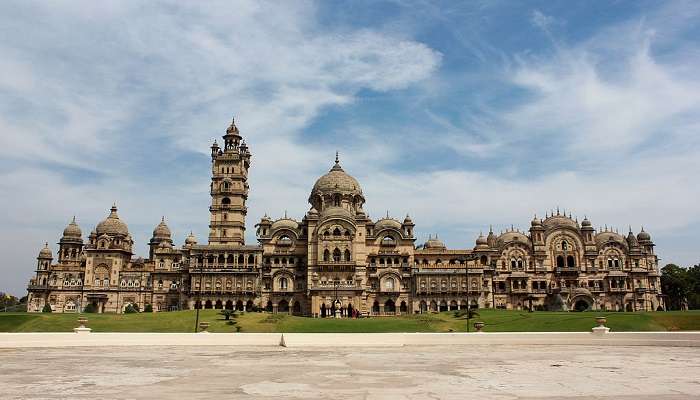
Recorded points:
(681, 287)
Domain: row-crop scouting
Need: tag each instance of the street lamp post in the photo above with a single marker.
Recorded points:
(336, 303)
(198, 304)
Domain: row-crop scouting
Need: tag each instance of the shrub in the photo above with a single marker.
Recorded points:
(148, 308)
(90, 308)
(131, 308)
(47, 308)
(228, 314)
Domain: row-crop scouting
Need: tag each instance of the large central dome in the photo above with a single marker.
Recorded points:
(336, 187)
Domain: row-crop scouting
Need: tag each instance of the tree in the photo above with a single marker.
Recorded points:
(47, 308)
(130, 309)
(228, 314)
(148, 308)
(675, 284)
(90, 308)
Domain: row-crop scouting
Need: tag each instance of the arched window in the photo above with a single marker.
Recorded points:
(336, 255)
(226, 201)
(229, 259)
(512, 263)
(388, 240)
(616, 263)
(241, 259)
(283, 283)
(610, 263)
(483, 260)
(347, 255)
(389, 284)
(336, 232)
(326, 255)
(560, 262)
(336, 200)
(520, 263)
(251, 259)
(570, 262)
(564, 245)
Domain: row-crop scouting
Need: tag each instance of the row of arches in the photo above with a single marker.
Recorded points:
(337, 255)
(444, 305)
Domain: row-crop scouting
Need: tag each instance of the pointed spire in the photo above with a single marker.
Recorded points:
(490, 229)
(162, 219)
(285, 214)
(337, 158)
(557, 210)
(337, 166)
(73, 221)
(387, 214)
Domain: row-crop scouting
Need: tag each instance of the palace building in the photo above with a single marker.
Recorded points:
(336, 261)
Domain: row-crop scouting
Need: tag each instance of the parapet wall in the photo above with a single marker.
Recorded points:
(310, 340)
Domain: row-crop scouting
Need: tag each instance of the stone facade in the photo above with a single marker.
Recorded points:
(336, 261)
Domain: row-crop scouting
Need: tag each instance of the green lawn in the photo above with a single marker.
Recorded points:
(496, 321)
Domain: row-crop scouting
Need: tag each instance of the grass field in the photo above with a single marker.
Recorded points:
(496, 321)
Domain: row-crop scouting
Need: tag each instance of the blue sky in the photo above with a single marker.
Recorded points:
(461, 114)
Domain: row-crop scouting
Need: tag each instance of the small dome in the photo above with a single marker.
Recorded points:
(112, 225)
(559, 221)
(265, 220)
(513, 236)
(72, 230)
(434, 243)
(608, 236)
(481, 241)
(45, 252)
(190, 239)
(536, 222)
(407, 220)
(643, 236)
(285, 223)
(387, 223)
(161, 230)
(585, 223)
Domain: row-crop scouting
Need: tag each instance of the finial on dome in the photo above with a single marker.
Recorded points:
(387, 214)
(490, 228)
(337, 159)
(557, 210)
(162, 219)
(285, 214)
(73, 221)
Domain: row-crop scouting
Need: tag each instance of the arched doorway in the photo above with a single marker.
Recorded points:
(323, 310)
(197, 305)
(229, 305)
(296, 309)
(403, 308)
(375, 307)
(283, 306)
(350, 311)
(389, 307)
(423, 306)
(560, 262)
(433, 306)
(219, 305)
(207, 304)
(628, 307)
(443, 306)
(268, 306)
(249, 305)
(239, 305)
(453, 305)
(581, 305)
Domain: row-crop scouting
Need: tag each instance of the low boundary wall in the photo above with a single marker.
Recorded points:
(310, 340)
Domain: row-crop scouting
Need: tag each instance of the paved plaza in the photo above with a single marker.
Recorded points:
(434, 372)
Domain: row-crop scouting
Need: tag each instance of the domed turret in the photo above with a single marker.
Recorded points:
(190, 239)
(632, 240)
(482, 242)
(112, 225)
(491, 238)
(161, 230)
(337, 189)
(72, 231)
(434, 243)
(45, 252)
(586, 223)
(536, 222)
(643, 236)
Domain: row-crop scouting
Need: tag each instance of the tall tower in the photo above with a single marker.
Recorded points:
(229, 189)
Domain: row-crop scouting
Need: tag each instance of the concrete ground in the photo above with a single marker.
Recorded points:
(434, 372)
